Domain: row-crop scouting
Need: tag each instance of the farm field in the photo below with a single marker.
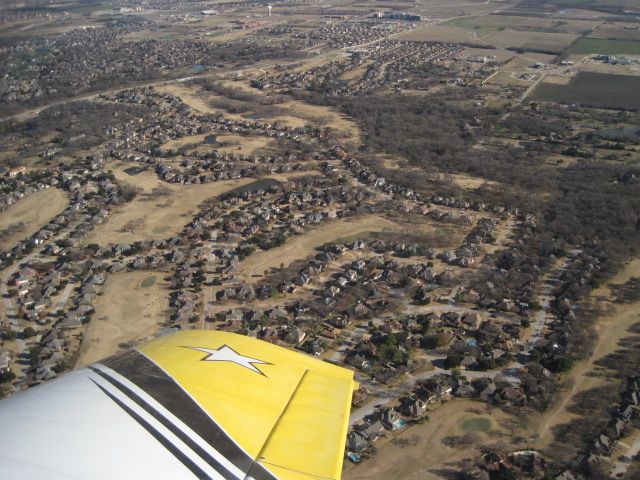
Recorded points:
(27, 216)
(448, 9)
(536, 41)
(606, 46)
(130, 309)
(617, 30)
(596, 3)
(484, 25)
(593, 89)
(441, 33)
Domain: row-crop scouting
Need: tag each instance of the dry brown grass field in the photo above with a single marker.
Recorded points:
(447, 8)
(426, 451)
(291, 112)
(610, 329)
(304, 245)
(159, 211)
(28, 215)
(501, 55)
(508, 79)
(130, 309)
(246, 145)
(617, 30)
(468, 182)
(301, 246)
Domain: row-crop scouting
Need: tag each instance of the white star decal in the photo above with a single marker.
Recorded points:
(228, 354)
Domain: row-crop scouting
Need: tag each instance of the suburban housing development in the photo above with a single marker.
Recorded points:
(443, 197)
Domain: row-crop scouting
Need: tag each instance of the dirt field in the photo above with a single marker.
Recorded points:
(28, 215)
(131, 308)
(159, 211)
(419, 452)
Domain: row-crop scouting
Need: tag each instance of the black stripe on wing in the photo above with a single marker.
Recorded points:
(138, 369)
(197, 449)
(175, 451)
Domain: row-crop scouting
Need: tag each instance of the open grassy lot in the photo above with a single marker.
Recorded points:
(290, 112)
(226, 143)
(500, 55)
(593, 89)
(131, 308)
(606, 46)
(448, 9)
(160, 210)
(28, 215)
(589, 374)
(304, 245)
(534, 41)
(481, 25)
(454, 432)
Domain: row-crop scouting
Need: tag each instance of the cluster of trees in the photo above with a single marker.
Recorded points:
(70, 126)
(390, 350)
(592, 204)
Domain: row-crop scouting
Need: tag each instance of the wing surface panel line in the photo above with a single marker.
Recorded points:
(277, 422)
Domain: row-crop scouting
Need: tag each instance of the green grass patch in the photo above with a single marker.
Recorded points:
(603, 46)
(477, 424)
(149, 281)
(473, 23)
(570, 2)
(600, 90)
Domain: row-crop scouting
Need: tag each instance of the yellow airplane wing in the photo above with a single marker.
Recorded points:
(288, 411)
(203, 404)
